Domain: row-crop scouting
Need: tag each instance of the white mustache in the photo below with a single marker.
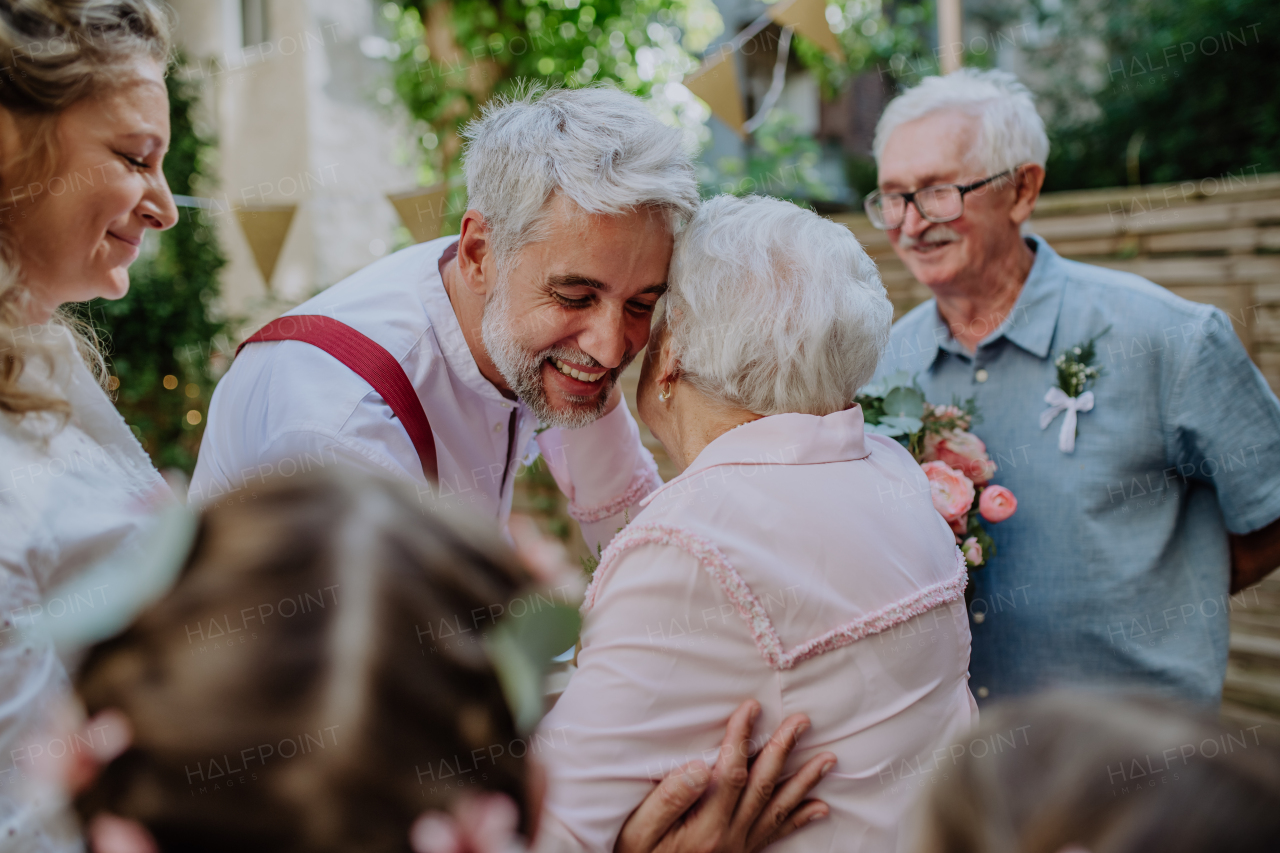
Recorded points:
(936, 234)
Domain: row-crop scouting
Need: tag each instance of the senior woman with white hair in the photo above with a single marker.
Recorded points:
(796, 559)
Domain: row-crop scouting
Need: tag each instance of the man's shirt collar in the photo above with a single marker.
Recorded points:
(1034, 318)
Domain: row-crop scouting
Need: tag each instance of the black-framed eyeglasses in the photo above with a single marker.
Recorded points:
(939, 203)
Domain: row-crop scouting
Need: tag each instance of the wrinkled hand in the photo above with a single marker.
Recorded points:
(736, 806)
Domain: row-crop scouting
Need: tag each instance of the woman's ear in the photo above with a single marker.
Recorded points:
(108, 833)
(668, 365)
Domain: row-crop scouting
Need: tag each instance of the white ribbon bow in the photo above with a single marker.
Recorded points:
(1059, 402)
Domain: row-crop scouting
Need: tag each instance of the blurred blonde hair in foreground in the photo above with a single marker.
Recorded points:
(331, 583)
(1105, 774)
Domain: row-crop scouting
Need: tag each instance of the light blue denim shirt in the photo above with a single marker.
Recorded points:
(1115, 568)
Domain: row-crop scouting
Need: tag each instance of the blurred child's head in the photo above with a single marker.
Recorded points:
(316, 678)
(1082, 771)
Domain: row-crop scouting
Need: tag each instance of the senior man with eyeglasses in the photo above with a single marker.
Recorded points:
(1132, 528)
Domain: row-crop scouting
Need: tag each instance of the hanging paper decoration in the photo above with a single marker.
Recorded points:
(422, 210)
(809, 17)
(775, 87)
(716, 82)
(266, 228)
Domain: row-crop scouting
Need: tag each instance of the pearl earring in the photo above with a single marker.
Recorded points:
(665, 394)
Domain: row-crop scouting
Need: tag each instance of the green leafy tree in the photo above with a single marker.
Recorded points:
(164, 326)
(1184, 89)
(780, 162)
(887, 38)
(890, 40)
(489, 48)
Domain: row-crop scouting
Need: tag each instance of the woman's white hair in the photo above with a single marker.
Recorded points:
(773, 308)
(1012, 131)
(598, 146)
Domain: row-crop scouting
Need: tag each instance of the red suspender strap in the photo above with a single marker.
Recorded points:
(371, 362)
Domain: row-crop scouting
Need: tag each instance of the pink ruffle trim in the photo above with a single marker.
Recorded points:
(645, 481)
(750, 608)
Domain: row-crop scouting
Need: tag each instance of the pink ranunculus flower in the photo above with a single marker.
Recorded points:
(997, 503)
(952, 491)
(972, 551)
(965, 452)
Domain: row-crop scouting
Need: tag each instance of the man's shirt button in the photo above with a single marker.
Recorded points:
(981, 374)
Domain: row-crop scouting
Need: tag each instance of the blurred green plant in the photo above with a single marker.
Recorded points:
(164, 326)
(1177, 90)
(639, 45)
(781, 162)
(888, 38)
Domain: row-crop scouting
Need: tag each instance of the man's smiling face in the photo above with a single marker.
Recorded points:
(572, 310)
(941, 148)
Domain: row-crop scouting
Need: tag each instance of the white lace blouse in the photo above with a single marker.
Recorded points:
(68, 497)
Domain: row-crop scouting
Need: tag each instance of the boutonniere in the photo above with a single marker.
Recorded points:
(1076, 372)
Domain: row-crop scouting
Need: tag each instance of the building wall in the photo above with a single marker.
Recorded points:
(298, 121)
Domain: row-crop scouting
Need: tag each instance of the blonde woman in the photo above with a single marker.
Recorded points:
(84, 126)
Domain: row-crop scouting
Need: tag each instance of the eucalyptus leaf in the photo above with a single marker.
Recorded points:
(878, 388)
(521, 647)
(898, 379)
(902, 424)
(904, 402)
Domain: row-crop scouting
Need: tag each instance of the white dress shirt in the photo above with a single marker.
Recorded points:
(286, 407)
(68, 498)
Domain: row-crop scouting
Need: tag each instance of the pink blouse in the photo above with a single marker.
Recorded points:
(798, 562)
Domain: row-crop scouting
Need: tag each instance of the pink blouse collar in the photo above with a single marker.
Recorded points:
(789, 439)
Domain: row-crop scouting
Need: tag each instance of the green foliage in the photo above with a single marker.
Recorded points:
(1189, 84)
(886, 37)
(1075, 365)
(539, 494)
(635, 44)
(163, 327)
(781, 162)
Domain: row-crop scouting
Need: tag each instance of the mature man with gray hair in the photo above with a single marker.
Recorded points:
(529, 315)
(1143, 500)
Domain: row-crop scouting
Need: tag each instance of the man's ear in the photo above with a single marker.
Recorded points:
(1028, 180)
(475, 254)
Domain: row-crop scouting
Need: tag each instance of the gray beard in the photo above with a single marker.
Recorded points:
(522, 369)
